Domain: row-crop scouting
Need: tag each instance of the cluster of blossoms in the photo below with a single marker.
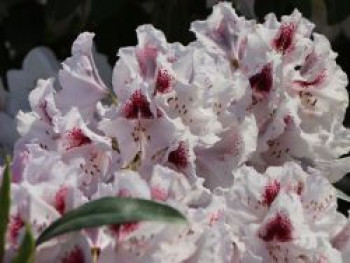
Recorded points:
(240, 130)
(40, 63)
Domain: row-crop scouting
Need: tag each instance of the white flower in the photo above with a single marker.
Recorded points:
(79, 77)
(224, 33)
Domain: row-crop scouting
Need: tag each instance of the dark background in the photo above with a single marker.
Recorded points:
(25, 24)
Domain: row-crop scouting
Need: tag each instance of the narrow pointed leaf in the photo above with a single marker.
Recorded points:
(111, 210)
(26, 252)
(4, 208)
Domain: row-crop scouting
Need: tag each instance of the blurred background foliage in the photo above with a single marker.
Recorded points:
(25, 24)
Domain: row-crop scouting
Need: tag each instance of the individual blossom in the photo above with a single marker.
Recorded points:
(224, 33)
(145, 131)
(39, 63)
(79, 77)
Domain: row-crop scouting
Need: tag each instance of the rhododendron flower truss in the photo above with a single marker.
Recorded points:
(241, 131)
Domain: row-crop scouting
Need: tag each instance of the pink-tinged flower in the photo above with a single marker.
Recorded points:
(189, 99)
(38, 126)
(146, 62)
(79, 78)
(290, 37)
(320, 85)
(42, 101)
(140, 130)
(74, 133)
(320, 81)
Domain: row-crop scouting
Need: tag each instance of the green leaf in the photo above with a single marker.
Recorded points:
(343, 196)
(285, 7)
(26, 252)
(111, 210)
(4, 207)
(337, 10)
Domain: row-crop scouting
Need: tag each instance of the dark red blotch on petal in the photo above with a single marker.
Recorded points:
(123, 230)
(137, 106)
(163, 81)
(261, 82)
(285, 37)
(76, 138)
(315, 82)
(15, 225)
(60, 200)
(278, 228)
(270, 192)
(179, 157)
(74, 256)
